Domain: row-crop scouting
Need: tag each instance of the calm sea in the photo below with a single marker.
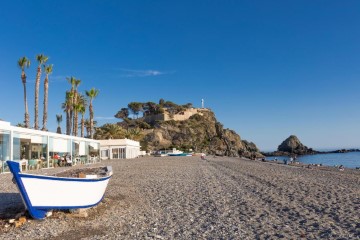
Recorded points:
(350, 160)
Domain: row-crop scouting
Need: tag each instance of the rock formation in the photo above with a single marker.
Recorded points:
(201, 133)
(292, 145)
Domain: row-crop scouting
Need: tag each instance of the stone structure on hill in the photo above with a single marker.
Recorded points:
(181, 116)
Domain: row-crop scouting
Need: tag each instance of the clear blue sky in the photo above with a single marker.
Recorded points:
(268, 69)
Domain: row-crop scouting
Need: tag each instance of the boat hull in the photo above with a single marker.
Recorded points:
(179, 154)
(43, 193)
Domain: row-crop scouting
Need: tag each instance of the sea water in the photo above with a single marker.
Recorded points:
(349, 160)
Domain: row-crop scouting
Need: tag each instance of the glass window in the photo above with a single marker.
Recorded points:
(4, 150)
(94, 149)
(115, 153)
(30, 147)
(59, 147)
(75, 148)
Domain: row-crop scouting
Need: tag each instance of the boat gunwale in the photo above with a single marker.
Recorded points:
(56, 178)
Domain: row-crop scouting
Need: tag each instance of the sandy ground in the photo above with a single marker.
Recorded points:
(189, 198)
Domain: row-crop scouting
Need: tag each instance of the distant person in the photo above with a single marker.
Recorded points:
(57, 159)
(203, 156)
(56, 156)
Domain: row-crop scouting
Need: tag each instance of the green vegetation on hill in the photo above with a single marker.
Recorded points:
(150, 108)
(200, 133)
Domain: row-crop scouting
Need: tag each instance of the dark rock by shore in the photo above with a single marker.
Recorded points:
(343, 151)
(291, 147)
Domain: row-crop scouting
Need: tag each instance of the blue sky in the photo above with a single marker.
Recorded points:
(268, 69)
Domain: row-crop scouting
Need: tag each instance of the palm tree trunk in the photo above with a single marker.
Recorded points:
(75, 130)
(68, 122)
(91, 120)
(75, 114)
(82, 125)
(27, 117)
(37, 87)
(46, 92)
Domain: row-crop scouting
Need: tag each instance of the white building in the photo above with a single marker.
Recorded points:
(35, 147)
(119, 148)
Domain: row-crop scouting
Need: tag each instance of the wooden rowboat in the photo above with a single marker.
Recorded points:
(42, 193)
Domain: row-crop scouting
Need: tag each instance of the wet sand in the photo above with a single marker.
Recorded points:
(189, 198)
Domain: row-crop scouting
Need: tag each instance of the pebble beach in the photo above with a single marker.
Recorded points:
(190, 198)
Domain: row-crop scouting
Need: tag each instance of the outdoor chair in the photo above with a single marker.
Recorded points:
(83, 159)
(44, 163)
(92, 160)
(23, 164)
(33, 164)
(68, 161)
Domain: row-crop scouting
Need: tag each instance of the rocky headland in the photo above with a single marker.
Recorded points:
(167, 125)
(200, 133)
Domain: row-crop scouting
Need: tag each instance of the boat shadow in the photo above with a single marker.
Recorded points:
(11, 205)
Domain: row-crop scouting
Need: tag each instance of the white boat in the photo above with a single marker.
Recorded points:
(42, 193)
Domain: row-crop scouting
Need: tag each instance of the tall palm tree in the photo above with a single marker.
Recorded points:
(67, 106)
(87, 126)
(72, 81)
(91, 94)
(58, 120)
(82, 109)
(23, 63)
(76, 107)
(48, 70)
(42, 59)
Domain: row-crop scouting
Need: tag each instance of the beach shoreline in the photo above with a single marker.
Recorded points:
(190, 198)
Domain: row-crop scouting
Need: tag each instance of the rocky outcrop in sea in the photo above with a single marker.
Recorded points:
(292, 146)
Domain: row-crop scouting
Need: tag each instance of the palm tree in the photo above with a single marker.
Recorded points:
(134, 134)
(110, 131)
(87, 124)
(76, 107)
(82, 109)
(72, 81)
(91, 94)
(48, 70)
(23, 63)
(42, 59)
(67, 106)
(58, 120)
